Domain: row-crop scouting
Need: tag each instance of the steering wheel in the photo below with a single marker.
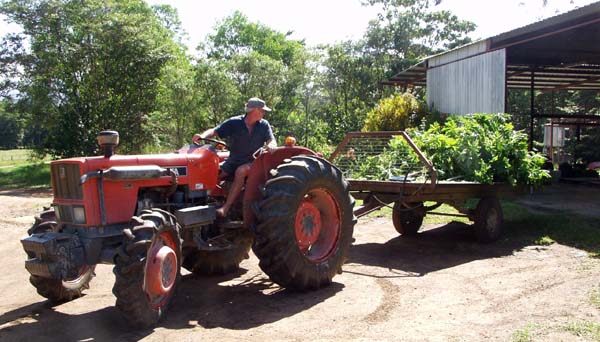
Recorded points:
(215, 142)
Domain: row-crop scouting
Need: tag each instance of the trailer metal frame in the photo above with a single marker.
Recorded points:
(409, 198)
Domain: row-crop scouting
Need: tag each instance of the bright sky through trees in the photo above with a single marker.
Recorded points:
(328, 21)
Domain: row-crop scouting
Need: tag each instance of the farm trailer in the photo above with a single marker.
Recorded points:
(408, 193)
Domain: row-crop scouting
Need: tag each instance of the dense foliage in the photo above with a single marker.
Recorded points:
(394, 113)
(78, 67)
(481, 148)
(88, 66)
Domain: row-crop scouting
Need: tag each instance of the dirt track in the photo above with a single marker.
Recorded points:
(439, 286)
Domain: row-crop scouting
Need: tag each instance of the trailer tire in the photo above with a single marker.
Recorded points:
(218, 262)
(488, 220)
(147, 268)
(408, 221)
(304, 223)
(55, 290)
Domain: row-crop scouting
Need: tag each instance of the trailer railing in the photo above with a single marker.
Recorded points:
(359, 150)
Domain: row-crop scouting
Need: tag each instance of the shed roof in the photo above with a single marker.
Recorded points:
(563, 52)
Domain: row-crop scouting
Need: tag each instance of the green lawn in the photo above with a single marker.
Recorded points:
(14, 157)
(545, 228)
(20, 168)
(25, 176)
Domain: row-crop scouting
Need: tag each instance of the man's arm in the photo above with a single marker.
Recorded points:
(271, 145)
(209, 133)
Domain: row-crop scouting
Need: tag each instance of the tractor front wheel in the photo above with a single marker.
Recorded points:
(305, 224)
(57, 290)
(147, 268)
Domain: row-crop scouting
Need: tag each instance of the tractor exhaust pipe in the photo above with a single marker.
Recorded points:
(108, 140)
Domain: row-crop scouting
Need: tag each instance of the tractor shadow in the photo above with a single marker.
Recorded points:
(238, 302)
(430, 250)
(234, 301)
(43, 321)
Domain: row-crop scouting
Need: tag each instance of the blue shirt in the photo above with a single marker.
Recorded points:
(242, 144)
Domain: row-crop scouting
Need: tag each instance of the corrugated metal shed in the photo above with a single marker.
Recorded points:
(562, 52)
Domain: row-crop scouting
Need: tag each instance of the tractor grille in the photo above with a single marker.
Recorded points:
(65, 213)
(65, 181)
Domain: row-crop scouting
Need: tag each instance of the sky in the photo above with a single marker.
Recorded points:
(330, 21)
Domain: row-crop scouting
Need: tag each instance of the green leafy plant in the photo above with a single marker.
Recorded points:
(480, 147)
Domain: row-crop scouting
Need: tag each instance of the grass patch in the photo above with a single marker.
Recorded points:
(595, 298)
(25, 176)
(544, 241)
(584, 329)
(543, 228)
(526, 333)
(430, 218)
(16, 157)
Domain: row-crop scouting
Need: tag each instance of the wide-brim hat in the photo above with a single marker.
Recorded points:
(255, 102)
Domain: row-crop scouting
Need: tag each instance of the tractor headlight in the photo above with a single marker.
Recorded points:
(57, 213)
(78, 215)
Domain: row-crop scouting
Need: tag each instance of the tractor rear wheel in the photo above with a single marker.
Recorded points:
(147, 268)
(221, 261)
(305, 224)
(408, 218)
(57, 290)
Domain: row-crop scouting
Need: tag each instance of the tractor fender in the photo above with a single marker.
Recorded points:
(260, 173)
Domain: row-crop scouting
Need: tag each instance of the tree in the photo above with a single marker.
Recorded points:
(409, 30)
(11, 132)
(403, 33)
(249, 59)
(176, 106)
(89, 66)
(350, 87)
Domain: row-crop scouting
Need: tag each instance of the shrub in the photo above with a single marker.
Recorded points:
(395, 113)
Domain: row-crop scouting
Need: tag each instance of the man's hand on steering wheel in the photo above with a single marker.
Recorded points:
(197, 138)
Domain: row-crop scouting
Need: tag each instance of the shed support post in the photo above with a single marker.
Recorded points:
(531, 110)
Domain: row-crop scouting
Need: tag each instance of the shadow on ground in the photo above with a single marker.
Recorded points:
(429, 251)
(203, 301)
(200, 301)
(454, 243)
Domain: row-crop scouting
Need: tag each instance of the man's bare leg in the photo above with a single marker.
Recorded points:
(236, 188)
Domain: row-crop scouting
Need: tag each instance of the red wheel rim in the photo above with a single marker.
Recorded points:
(317, 225)
(308, 224)
(161, 270)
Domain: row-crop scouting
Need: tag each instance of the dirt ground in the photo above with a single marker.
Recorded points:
(438, 286)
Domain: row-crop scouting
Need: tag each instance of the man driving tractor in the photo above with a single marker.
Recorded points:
(246, 134)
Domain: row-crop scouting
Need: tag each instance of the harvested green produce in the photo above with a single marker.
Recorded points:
(481, 148)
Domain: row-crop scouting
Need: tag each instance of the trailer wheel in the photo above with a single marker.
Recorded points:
(147, 268)
(408, 217)
(305, 224)
(56, 290)
(488, 220)
(218, 262)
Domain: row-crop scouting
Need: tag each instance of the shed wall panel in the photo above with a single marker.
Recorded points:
(459, 53)
(471, 85)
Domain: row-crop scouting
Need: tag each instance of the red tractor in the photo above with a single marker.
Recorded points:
(149, 215)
